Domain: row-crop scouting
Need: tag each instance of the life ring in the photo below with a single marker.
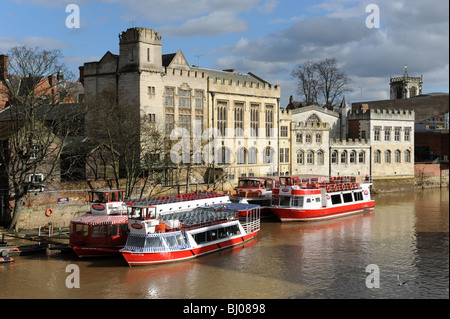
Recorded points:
(259, 193)
(316, 185)
(351, 186)
(335, 187)
(344, 187)
(328, 188)
(14, 249)
(49, 212)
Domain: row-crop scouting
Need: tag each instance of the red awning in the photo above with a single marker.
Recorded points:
(100, 220)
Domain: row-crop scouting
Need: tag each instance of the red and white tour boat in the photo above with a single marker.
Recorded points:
(256, 190)
(313, 197)
(157, 237)
(104, 230)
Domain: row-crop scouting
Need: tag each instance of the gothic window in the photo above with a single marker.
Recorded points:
(397, 156)
(412, 92)
(269, 121)
(353, 157)
(184, 98)
(377, 156)
(318, 138)
(240, 155)
(169, 124)
(185, 122)
(361, 157)
(344, 157)
(252, 153)
(300, 157)
(387, 156)
(254, 120)
(313, 118)
(268, 155)
(407, 134)
(387, 134)
(198, 99)
(298, 138)
(310, 157)
(223, 156)
(320, 160)
(308, 138)
(334, 157)
(222, 118)
(376, 136)
(397, 134)
(239, 120)
(168, 97)
(407, 156)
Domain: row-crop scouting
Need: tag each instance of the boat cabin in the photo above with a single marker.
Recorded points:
(107, 202)
(255, 186)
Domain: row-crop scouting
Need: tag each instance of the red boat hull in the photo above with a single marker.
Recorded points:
(96, 251)
(146, 258)
(286, 214)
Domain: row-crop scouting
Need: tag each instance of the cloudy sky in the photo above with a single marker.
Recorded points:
(266, 37)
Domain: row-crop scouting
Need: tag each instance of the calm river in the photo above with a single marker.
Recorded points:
(406, 235)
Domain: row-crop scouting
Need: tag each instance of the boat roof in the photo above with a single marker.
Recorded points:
(89, 219)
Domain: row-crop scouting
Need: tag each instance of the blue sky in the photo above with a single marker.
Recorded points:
(266, 37)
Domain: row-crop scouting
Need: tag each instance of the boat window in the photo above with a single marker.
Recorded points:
(111, 230)
(81, 230)
(358, 196)
(297, 201)
(308, 200)
(283, 181)
(294, 181)
(336, 199)
(171, 240)
(135, 241)
(153, 242)
(98, 197)
(180, 239)
(285, 200)
(215, 234)
(113, 197)
(317, 199)
(123, 229)
(98, 231)
(137, 212)
(347, 197)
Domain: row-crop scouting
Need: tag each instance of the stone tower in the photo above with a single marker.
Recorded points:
(140, 50)
(405, 86)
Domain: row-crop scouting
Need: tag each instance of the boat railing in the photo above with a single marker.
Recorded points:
(251, 221)
(159, 200)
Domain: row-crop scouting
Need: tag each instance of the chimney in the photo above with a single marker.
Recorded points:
(81, 68)
(51, 80)
(3, 67)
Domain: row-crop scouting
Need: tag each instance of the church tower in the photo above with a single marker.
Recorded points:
(405, 86)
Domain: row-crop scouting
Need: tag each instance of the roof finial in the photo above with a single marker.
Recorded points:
(405, 74)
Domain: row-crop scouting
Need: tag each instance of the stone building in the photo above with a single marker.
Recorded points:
(240, 111)
(405, 87)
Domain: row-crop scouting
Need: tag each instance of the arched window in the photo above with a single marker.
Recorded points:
(387, 156)
(398, 156)
(412, 92)
(300, 157)
(240, 155)
(344, 157)
(377, 156)
(334, 157)
(310, 157)
(318, 138)
(320, 160)
(268, 156)
(252, 153)
(353, 157)
(361, 157)
(299, 138)
(308, 138)
(407, 156)
(223, 156)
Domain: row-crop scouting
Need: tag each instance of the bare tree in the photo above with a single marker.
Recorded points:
(321, 81)
(34, 127)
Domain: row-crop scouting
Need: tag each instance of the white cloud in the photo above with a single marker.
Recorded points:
(212, 24)
(7, 43)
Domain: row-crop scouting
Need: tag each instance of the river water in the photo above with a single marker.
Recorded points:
(407, 235)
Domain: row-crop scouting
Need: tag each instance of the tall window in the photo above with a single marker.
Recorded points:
(268, 155)
(353, 157)
(377, 156)
(318, 138)
(397, 134)
(281, 155)
(222, 118)
(407, 156)
(344, 157)
(387, 133)
(387, 156)
(198, 99)
(320, 160)
(240, 156)
(223, 155)
(376, 135)
(308, 138)
(169, 124)
(299, 138)
(252, 153)
(334, 157)
(254, 120)
(300, 157)
(168, 97)
(310, 157)
(361, 157)
(407, 134)
(185, 122)
(284, 131)
(397, 156)
(239, 120)
(198, 126)
(184, 98)
(269, 121)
